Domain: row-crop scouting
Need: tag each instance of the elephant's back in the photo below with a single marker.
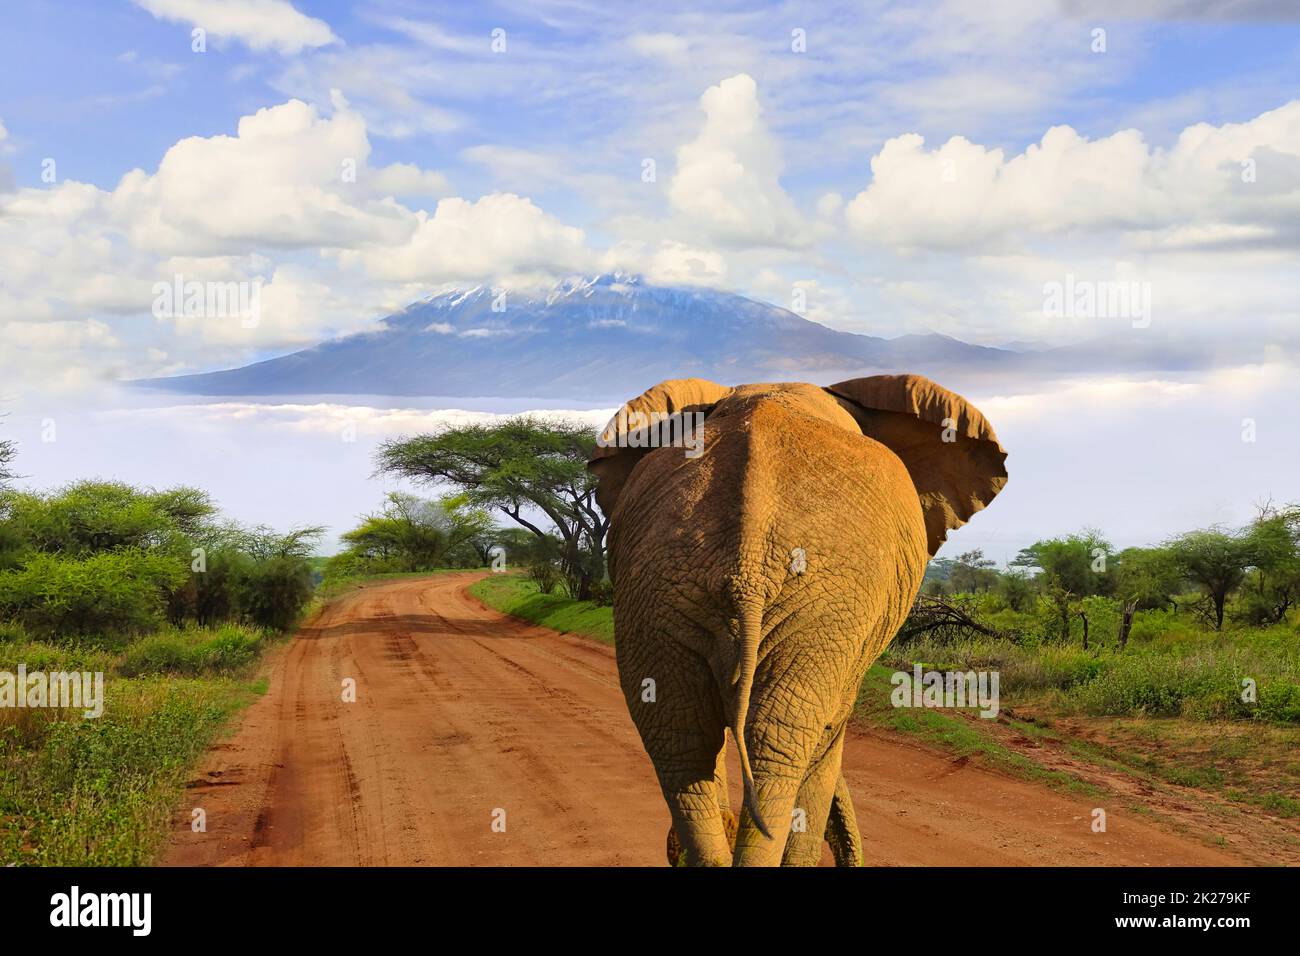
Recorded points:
(792, 506)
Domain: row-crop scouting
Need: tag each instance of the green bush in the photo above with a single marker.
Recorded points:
(90, 517)
(544, 573)
(274, 592)
(192, 651)
(1151, 626)
(1279, 701)
(217, 588)
(107, 594)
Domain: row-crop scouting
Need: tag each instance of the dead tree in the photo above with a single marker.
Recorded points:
(942, 618)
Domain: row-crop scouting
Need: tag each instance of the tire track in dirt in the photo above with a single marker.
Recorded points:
(462, 711)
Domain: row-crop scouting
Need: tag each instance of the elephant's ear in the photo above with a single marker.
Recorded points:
(948, 447)
(614, 458)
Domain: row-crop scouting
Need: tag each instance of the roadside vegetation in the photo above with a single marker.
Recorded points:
(173, 606)
(1202, 627)
(411, 535)
(520, 597)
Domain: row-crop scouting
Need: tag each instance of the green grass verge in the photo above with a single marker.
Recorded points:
(515, 595)
(1197, 676)
(77, 791)
(950, 732)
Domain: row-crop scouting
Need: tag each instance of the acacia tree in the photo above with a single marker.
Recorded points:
(1145, 577)
(1274, 543)
(1072, 568)
(972, 572)
(517, 466)
(1216, 561)
(417, 534)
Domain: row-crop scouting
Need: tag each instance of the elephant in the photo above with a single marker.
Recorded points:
(758, 575)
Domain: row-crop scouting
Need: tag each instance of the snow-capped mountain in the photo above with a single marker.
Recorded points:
(590, 338)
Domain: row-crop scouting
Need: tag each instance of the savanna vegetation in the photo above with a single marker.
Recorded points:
(409, 534)
(173, 606)
(1200, 626)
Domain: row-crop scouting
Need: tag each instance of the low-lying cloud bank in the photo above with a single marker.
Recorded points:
(1139, 459)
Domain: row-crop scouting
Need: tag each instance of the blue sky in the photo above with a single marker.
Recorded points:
(585, 92)
(917, 166)
(70, 88)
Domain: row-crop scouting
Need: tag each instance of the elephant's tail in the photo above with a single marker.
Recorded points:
(750, 612)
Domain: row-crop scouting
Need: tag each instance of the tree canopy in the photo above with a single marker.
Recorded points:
(417, 534)
(1216, 560)
(520, 466)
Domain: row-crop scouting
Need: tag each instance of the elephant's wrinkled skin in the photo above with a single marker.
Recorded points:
(756, 583)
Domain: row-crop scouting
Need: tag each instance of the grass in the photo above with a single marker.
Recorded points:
(1244, 763)
(951, 731)
(100, 792)
(1166, 710)
(1197, 677)
(515, 595)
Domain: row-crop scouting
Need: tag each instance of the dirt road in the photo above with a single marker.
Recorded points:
(464, 717)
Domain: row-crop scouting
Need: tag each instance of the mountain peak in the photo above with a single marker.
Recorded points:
(589, 337)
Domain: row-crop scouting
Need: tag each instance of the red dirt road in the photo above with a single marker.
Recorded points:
(462, 712)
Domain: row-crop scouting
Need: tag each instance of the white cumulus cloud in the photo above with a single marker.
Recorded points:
(500, 233)
(1233, 184)
(728, 178)
(261, 24)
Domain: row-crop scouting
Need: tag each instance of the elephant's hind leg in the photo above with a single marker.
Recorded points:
(730, 821)
(683, 732)
(814, 805)
(697, 804)
(842, 828)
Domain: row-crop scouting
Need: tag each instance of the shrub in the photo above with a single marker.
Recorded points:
(112, 593)
(93, 517)
(1280, 701)
(1158, 626)
(1015, 591)
(217, 589)
(274, 592)
(1254, 609)
(192, 651)
(544, 574)
(1103, 619)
